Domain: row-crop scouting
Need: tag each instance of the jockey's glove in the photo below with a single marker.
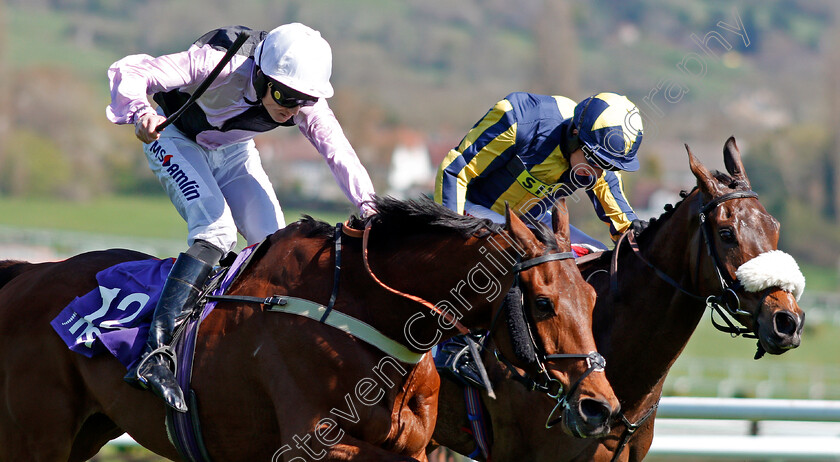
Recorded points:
(638, 225)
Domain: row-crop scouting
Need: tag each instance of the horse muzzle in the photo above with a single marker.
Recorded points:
(780, 322)
(588, 417)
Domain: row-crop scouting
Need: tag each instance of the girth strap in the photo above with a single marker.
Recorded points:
(479, 424)
(184, 429)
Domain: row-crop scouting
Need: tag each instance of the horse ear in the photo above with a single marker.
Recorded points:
(560, 223)
(517, 229)
(705, 180)
(732, 160)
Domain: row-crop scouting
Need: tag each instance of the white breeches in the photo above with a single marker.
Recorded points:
(217, 191)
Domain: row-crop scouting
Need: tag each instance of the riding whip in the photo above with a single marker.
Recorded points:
(237, 44)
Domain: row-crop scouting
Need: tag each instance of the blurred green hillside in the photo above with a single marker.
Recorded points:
(435, 67)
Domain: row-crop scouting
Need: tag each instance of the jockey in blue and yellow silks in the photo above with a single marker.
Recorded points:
(529, 150)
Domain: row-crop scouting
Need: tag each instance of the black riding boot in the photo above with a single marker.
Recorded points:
(155, 370)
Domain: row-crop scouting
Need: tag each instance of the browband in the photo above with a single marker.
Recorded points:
(735, 195)
(519, 267)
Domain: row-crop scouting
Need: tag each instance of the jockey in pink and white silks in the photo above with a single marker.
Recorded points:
(207, 160)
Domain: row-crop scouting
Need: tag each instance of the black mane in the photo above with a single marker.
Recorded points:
(723, 178)
(655, 223)
(406, 217)
(312, 227)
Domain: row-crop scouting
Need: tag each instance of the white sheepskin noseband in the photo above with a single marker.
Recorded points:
(772, 269)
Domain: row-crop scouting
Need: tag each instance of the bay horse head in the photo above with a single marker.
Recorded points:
(755, 282)
(717, 248)
(549, 327)
(549, 338)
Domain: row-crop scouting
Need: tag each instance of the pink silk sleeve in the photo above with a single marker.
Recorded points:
(135, 77)
(319, 125)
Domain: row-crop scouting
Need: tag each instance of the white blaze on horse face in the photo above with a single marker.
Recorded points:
(774, 268)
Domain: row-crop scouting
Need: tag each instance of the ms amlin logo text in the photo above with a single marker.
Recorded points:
(188, 187)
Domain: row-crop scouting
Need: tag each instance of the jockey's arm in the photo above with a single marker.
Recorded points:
(321, 128)
(136, 76)
(610, 205)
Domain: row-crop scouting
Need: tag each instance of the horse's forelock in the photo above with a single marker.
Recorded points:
(731, 182)
(546, 236)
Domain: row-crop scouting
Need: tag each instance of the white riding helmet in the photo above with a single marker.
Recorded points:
(298, 57)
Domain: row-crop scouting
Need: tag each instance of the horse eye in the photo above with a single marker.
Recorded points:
(726, 235)
(545, 304)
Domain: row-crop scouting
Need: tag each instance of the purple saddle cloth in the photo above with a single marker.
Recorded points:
(115, 317)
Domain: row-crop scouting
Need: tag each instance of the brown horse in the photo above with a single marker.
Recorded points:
(275, 386)
(649, 303)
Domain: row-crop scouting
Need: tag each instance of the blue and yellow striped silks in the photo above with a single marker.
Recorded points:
(611, 128)
(529, 127)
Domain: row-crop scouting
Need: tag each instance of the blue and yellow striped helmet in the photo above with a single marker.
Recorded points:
(610, 131)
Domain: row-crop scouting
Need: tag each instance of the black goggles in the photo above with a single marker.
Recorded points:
(287, 97)
(596, 161)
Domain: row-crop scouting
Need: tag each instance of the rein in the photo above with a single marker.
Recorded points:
(446, 315)
(322, 314)
(552, 387)
(720, 304)
(717, 303)
(630, 429)
(553, 392)
(729, 284)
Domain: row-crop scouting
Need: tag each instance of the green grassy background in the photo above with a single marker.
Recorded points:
(148, 217)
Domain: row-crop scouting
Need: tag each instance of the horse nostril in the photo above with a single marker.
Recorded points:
(784, 323)
(594, 412)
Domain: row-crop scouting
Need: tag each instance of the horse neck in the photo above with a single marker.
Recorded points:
(464, 279)
(626, 325)
(10, 269)
(448, 272)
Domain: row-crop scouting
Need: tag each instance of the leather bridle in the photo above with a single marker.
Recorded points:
(543, 382)
(727, 304)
